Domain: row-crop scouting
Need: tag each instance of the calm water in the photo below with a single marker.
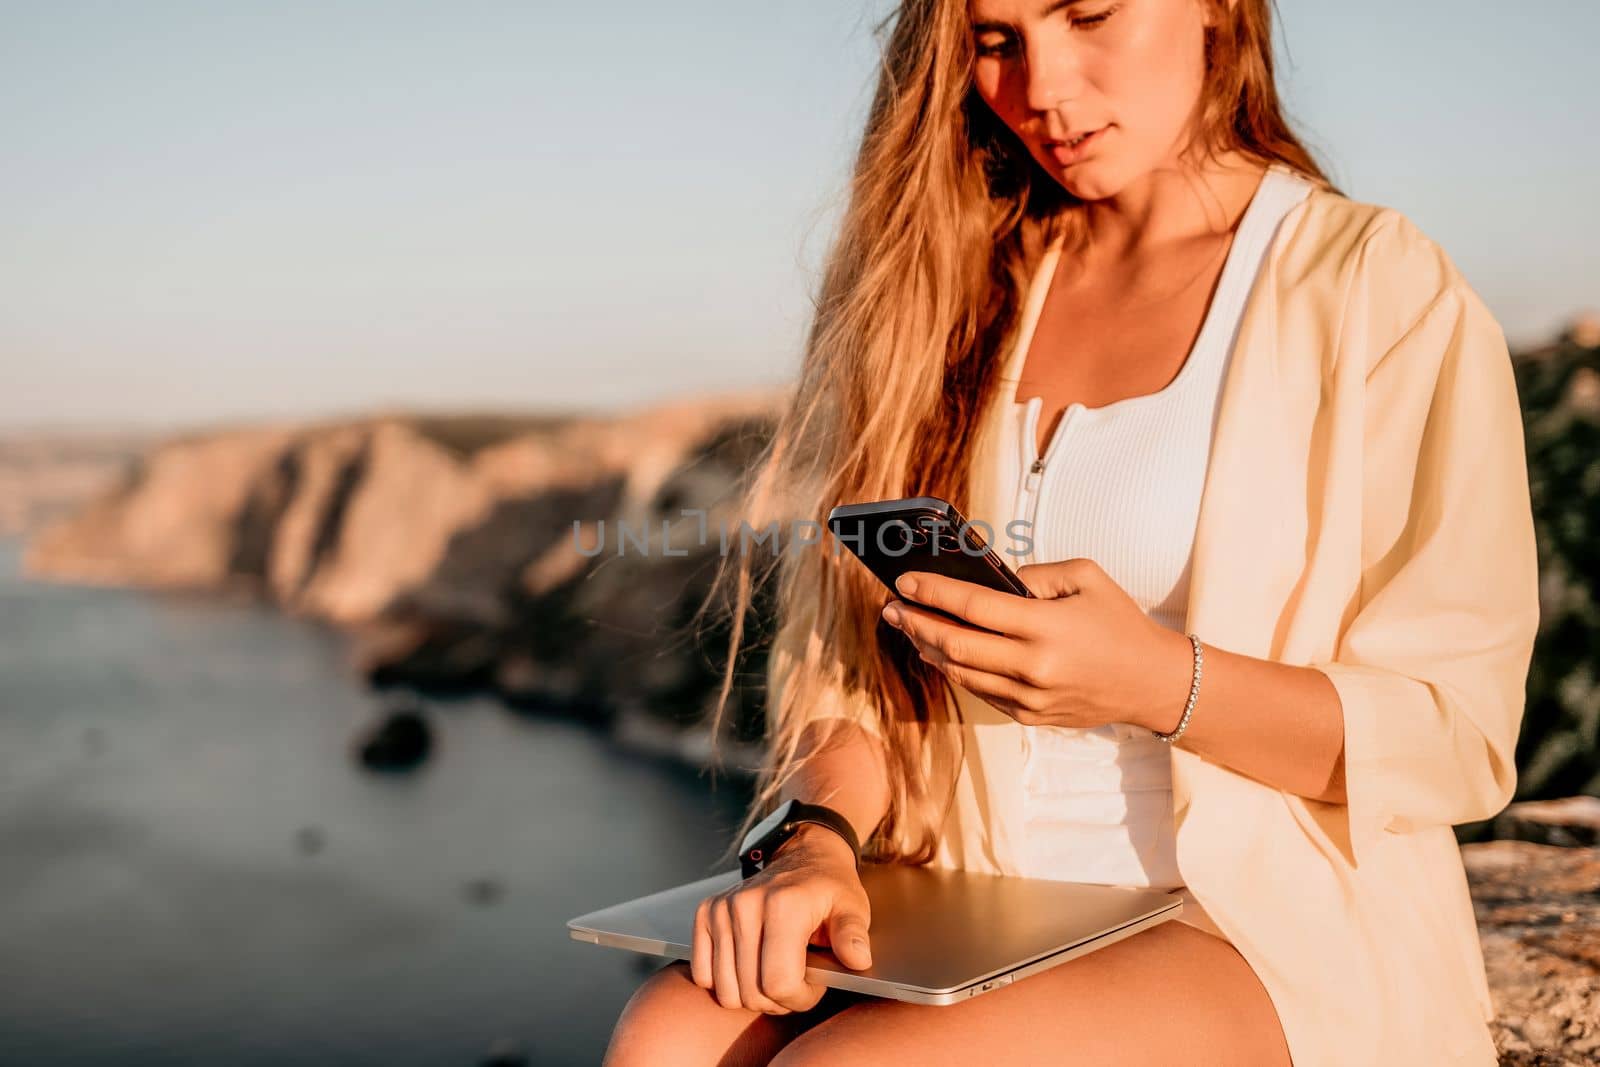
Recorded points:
(161, 761)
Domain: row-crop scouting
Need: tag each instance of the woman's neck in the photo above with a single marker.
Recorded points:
(1168, 206)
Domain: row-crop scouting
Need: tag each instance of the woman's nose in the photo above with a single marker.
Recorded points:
(1054, 77)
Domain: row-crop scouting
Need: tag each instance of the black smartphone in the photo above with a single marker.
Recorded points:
(921, 533)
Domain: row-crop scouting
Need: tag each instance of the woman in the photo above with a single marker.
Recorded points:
(1283, 556)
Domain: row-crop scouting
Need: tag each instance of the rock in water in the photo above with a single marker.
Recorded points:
(310, 840)
(506, 1053)
(401, 742)
(483, 891)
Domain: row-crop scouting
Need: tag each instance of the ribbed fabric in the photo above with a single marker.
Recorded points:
(1121, 484)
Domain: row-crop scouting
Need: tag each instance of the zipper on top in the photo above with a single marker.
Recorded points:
(1028, 499)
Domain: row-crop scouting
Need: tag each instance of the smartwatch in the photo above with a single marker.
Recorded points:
(766, 836)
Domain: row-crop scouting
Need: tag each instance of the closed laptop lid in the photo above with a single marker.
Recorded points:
(934, 930)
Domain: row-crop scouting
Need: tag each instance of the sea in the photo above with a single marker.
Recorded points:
(194, 869)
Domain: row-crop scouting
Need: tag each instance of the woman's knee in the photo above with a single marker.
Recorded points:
(671, 1022)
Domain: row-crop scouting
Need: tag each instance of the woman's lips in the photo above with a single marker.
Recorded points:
(1065, 153)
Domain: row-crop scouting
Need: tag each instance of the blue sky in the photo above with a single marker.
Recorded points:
(228, 210)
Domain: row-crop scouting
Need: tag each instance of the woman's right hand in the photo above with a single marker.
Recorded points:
(750, 940)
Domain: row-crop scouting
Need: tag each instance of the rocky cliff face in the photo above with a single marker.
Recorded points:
(462, 552)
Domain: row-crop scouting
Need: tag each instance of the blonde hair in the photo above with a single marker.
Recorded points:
(947, 217)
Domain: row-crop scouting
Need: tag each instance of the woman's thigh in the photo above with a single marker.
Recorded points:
(1171, 994)
(671, 1022)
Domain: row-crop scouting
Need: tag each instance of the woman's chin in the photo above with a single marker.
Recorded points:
(1088, 180)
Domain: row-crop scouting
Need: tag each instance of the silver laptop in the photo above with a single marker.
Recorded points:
(938, 935)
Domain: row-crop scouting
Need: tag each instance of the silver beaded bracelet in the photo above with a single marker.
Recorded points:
(1194, 692)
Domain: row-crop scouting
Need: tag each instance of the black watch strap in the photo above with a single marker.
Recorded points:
(753, 858)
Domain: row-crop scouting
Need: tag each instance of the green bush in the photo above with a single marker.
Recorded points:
(1559, 384)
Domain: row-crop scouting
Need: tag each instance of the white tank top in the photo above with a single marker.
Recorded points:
(1121, 484)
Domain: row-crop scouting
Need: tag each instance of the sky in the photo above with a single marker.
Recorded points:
(223, 210)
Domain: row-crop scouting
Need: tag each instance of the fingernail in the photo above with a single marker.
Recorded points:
(906, 584)
(892, 613)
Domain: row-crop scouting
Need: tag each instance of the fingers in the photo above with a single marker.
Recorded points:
(783, 970)
(1015, 698)
(1004, 613)
(749, 948)
(724, 966)
(1062, 578)
(991, 653)
(847, 930)
(749, 911)
(700, 951)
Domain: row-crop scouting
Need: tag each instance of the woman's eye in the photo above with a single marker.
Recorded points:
(1091, 21)
(1083, 22)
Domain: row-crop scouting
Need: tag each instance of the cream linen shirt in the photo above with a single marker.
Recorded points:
(1365, 512)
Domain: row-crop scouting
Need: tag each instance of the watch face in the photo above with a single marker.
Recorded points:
(767, 825)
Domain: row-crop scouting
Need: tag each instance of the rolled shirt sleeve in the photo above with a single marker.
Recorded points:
(1431, 671)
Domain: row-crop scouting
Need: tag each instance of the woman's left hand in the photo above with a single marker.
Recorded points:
(1082, 654)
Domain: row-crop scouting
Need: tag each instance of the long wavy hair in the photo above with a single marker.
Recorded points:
(947, 216)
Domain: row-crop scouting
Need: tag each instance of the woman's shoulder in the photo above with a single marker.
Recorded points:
(1366, 266)
(1337, 233)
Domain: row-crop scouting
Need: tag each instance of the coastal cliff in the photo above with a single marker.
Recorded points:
(461, 553)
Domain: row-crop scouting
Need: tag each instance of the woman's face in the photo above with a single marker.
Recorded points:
(1126, 72)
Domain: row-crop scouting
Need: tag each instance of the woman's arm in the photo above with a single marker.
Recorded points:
(839, 757)
(750, 939)
(1413, 721)
(1280, 724)
(1082, 653)
(1432, 670)
(845, 770)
